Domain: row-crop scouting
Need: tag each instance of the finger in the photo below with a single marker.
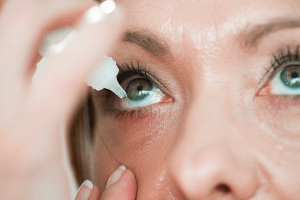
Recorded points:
(22, 25)
(85, 190)
(62, 81)
(124, 188)
(95, 195)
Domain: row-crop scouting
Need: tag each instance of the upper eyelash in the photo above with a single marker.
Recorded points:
(284, 56)
(278, 60)
(132, 70)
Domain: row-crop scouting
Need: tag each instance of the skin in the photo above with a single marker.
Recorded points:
(32, 153)
(213, 137)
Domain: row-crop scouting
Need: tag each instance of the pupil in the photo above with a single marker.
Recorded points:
(295, 75)
(140, 88)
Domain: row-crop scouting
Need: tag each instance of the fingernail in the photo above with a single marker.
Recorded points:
(99, 12)
(116, 175)
(85, 190)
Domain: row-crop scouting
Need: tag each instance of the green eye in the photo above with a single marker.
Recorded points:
(138, 89)
(141, 92)
(290, 76)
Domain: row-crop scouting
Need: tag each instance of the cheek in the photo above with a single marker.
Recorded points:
(102, 164)
(137, 133)
(141, 143)
(281, 114)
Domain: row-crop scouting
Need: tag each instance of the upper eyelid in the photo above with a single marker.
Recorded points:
(133, 77)
(285, 56)
(126, 67)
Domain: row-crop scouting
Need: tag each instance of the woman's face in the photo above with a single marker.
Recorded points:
(213, 108)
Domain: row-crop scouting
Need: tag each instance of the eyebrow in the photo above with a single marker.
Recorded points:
(251, 37)
(149, 42)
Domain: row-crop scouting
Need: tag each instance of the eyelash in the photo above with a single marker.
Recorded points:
(281, 58)
(128, 70)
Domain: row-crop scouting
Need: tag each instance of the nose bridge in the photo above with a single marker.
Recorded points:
(209, 112)
(208, 160)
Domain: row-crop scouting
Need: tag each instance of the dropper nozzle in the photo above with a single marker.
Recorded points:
(116, 88)
(105, 76)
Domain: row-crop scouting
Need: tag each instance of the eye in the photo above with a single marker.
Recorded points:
(141, 92)
(287, 80)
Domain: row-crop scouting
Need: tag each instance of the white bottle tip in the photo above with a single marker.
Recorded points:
(115, 87)
(99, 12)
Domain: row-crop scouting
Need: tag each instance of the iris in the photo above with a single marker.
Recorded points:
(290, 76)
(139, 89)
(141, 92)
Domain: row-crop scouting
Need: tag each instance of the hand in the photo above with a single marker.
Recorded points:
(121, 185)
(31, 150)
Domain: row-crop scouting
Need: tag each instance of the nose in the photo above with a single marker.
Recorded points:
(210, 159)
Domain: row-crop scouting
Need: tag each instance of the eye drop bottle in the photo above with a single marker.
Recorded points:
(105, 74)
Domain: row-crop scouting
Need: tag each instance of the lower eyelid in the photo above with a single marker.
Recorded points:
(129, 114)
(121, 114)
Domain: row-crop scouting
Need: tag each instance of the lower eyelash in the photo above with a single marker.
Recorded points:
(116, 113)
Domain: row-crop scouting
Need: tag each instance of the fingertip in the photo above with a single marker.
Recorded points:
(129, 184)
(88, 183)
(128, 177)
(84, 191)
(95, 194)
(125, 188)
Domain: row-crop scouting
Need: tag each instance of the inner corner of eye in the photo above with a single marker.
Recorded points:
(167, 99)
(264, 91)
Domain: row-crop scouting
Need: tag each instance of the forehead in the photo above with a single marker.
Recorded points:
(198, 31)
(217, 16)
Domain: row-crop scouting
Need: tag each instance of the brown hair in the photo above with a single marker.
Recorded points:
(80, 137)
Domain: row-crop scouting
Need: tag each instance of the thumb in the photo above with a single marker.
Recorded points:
(120, 185)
